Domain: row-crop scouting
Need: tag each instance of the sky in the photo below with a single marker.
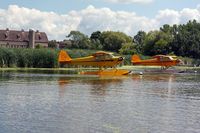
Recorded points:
(58, 18)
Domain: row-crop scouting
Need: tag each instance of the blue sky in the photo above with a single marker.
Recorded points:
(58, 18)
(64, 6)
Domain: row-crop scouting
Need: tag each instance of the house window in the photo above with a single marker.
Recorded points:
(6, 35)
(18, 36)
(40, 37)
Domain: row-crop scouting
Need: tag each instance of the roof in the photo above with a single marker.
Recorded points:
(21, 36)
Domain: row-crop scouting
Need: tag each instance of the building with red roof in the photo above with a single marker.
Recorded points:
(22, 39)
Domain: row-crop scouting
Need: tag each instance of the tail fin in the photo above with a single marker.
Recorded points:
(135, 58)
(63, 57)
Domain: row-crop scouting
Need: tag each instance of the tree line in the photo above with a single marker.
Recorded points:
(181, 40)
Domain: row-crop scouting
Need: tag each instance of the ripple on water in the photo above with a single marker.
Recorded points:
(71, 103)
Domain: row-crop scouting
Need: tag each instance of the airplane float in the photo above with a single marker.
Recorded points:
(100, 59)
(165, 61)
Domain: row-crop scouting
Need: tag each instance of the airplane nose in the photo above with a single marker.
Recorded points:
(120, 59)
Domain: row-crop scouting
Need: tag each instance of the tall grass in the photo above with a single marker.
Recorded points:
(36, 58)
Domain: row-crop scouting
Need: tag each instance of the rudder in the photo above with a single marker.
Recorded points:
(135, 58)
(63, 57)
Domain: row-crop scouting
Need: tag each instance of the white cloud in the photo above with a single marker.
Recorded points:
(106, 19)
(189, 14)
(89, 20)
(130, 1)
(168, 16)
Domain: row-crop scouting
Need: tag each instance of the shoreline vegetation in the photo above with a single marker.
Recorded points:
(79, 69)
(46, 60)
(48, 57)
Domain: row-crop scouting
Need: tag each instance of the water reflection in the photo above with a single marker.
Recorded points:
(98, 85)
(62, 81)
(162, 83)
(170, 85)
(154, 77)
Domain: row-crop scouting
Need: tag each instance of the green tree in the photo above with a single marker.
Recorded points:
(187, 40)
(95, 40)
(95, 35)
(52, 44)
(128, 49)
(112, 41)
(166, 28)
(80, 40)
(139, 40)
(158, 42)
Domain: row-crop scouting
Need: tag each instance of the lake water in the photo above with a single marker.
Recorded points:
(61, 103)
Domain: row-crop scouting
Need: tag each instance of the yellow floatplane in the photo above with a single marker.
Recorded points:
(165, 61)
(100, 59)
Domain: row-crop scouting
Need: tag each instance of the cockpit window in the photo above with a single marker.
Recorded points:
(104, 57)
(171, 58)
(165, 59)
(174, 57)
(109, 56)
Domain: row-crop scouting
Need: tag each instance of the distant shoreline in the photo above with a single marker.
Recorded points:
(131, 68)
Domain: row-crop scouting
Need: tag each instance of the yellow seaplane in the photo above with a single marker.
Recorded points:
(165, 61)
(100, 59)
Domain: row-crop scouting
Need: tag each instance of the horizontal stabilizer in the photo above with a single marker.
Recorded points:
(63, 57)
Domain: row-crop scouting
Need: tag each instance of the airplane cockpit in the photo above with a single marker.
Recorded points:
(164, 58)
(104, 56)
